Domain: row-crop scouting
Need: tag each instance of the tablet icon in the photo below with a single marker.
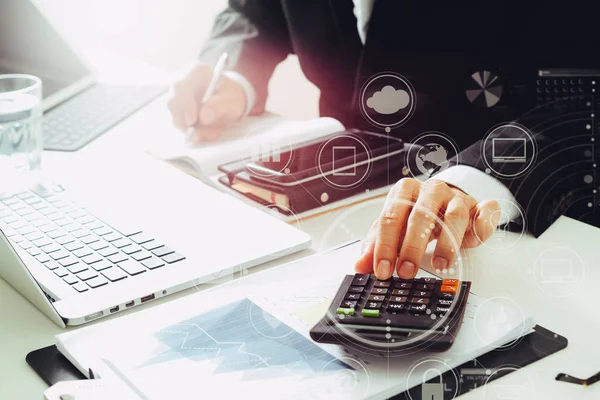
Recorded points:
(344, 160)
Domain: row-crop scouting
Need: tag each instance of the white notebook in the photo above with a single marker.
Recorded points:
(250, 338)
(270, 133)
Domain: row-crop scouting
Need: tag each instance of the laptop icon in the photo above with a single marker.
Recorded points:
(517, 146)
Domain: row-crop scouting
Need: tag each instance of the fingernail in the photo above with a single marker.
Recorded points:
(208, 116)
(407, 270)
(384, 269)
(439, 263)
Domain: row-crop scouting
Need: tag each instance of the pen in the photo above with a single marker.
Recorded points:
(210, 90)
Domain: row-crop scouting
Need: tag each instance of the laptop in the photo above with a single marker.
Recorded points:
(77, 107)
(140, 233)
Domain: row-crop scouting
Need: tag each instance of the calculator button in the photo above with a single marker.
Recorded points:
(360, 279)
(376, 297)
(448, 289)
(424, 286)
(373, 305)
(400, 292)
(383, 284)
(398, 299)
(348, 304)
(345, 311)
(444, 302)
(417, 308)
(370, 313)
(379, 291)
(352, 296)
(419, 300)
(446, 296)
(356, 289)
(395, 307)
(422, 293)
(426, 280)
(403, 285)
(451, 282)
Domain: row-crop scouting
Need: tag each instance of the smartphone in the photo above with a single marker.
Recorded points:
(343, 156)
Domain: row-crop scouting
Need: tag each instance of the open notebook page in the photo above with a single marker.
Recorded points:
(263, 134)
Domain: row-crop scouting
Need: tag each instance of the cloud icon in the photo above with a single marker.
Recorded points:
(388, 100)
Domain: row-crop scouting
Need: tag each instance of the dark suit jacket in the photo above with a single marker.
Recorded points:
(437, 45)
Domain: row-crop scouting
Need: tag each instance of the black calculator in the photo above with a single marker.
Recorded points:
(424, 312)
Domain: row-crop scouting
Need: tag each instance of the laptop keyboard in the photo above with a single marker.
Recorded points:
(86, 252)
(79, 120)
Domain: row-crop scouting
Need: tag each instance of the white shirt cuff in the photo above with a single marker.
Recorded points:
(247, 86)
(481, 186)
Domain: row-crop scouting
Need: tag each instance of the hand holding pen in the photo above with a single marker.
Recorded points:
(205, 101)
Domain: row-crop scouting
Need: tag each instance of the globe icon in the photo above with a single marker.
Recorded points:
(430, 157)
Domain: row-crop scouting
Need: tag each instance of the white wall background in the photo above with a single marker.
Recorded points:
(167, 34)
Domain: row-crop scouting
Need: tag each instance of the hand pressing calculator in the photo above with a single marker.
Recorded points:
(395, 313)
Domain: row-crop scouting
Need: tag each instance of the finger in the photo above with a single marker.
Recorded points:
(175, 107)
(364, 264)
(205, 134)
(183, 101)
(456, 221)
(220, 108)
(433, 196)
(391, 223)
(485, 221)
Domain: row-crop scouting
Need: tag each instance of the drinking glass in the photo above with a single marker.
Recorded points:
(20, 127)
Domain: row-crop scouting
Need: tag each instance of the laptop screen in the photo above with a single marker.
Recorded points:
(30, 45)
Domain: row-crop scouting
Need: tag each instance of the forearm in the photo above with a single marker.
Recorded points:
(256, 38)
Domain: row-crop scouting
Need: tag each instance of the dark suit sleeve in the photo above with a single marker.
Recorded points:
(255, 34)
(559, 182)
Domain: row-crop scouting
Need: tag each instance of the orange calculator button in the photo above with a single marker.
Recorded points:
(448, 289)
(451, 282)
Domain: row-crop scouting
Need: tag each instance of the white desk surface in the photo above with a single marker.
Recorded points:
(506, 274)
